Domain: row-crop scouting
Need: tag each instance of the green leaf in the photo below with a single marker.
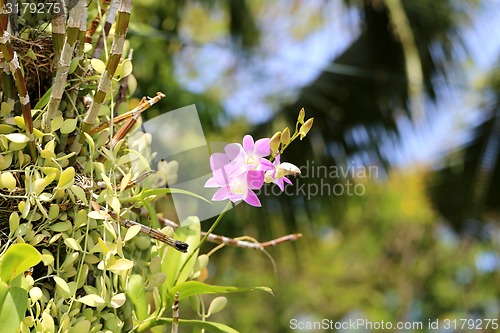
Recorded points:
(199, 324)
(44, 100)
(17, 259)
(98, 65)
(80, 193)
(121, 265)
(118, 300)
(132, 232)
(163, 191)
(68, 126)
(62, 284)
(191, 288)
(136, 293)
(73, 243)
(57, 123)
(81, 327)
(17, 137)
(13, 305)
(188, 232)
(67, 178)
(92, 300)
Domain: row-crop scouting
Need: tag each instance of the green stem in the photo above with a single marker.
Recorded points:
(191, 254)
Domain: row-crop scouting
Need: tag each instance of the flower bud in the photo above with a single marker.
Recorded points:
(274, 143)
(285, 136)
(304, 129)
(302, 114)
(286, 169)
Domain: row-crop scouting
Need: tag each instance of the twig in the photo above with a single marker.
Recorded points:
(125, 129)
(143, 105)
(155, 234)
(213, 238)
(175, 314)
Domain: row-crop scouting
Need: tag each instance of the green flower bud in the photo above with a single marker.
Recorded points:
(274, 143)
(285, 136)
(304, 129)
(302, 114)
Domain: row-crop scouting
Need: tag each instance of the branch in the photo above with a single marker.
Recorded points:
(235, 241)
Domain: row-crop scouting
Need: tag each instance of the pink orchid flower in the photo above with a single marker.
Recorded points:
(279, 173)
(240, 170)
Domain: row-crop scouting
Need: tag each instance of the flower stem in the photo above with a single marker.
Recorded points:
(219, 218)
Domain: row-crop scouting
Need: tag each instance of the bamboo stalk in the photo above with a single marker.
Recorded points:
(121, 27)
(12, 63)
(73, 31)
(58, 28)
(73, 95)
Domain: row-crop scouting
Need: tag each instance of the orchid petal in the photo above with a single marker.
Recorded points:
(211, 183)
(252, 199)
(233, 151)
(255, 179)
(262, 147)
(265, 164)
(248, 144)
(218, 160)
(221, 194)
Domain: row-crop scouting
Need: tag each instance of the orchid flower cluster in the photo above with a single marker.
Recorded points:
(245, 168)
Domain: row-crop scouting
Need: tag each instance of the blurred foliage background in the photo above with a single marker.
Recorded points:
(408, 87)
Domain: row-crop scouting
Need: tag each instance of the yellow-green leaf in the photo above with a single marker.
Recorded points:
(8, 180)
(79, 193)
(17, 137)
(68, 126)
(73, 243)
(118, 300)
(95, 215)
(17, 259)
(121, 265)
(98, 65)
(62, 284)
(91, 300)
(56, 123)
(67, 178)
(132, 232)
(35, 294)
